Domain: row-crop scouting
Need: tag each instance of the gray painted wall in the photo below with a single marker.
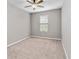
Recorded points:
(66, 27)
(54, 24)
(18, 24)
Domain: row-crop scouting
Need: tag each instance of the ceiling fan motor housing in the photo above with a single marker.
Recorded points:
(35, 1)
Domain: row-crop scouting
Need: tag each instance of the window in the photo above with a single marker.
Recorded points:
(44, 23)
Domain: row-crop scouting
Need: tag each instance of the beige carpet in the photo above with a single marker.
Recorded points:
(35, 48)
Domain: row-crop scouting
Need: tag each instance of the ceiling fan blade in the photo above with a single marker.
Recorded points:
(40, 6)
(39, 1)
(29, 1)
(27, 6)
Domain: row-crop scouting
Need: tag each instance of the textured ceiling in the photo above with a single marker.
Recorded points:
(48, 5)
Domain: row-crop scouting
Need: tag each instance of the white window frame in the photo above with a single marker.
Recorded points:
(44, 23)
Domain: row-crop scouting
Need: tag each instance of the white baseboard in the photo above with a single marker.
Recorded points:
(65, 51)
(45, 37)
(18, 41)
(29, 36)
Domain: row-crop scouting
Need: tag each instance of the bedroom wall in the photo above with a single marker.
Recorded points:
(54, 24)
(18, 24)
(66, 27)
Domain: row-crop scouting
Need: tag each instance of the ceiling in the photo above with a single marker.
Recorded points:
(48, 5)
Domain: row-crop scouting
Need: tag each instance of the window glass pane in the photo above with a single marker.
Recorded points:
(44, 19)
(43, 27)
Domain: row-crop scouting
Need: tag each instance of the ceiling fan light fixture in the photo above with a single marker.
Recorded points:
(34, 5)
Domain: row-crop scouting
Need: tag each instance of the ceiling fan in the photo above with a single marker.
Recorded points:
(34, 4)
